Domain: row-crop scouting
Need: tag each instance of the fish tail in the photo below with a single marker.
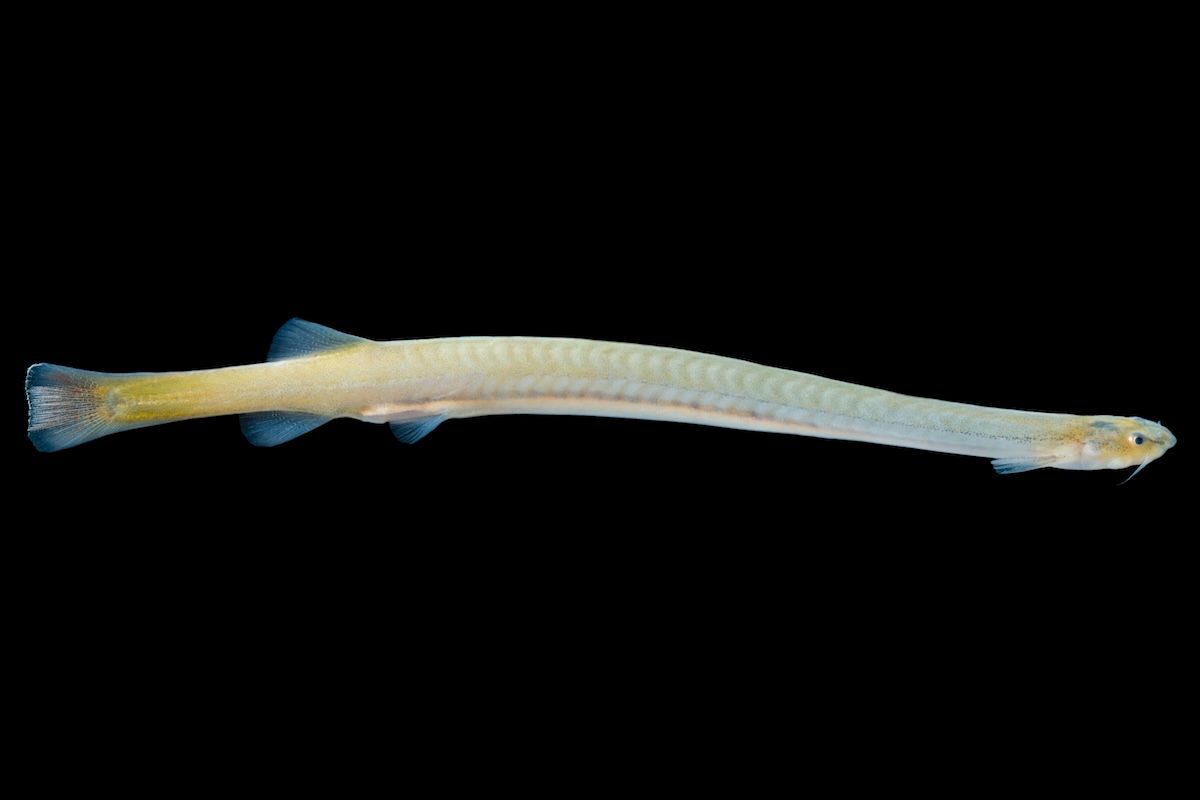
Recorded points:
(70, 406)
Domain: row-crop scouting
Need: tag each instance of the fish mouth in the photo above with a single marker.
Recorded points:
(1167, 439)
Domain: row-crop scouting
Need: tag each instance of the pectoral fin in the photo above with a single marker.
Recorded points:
(1006, 465)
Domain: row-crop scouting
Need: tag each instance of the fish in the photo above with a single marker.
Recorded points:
(314, 374)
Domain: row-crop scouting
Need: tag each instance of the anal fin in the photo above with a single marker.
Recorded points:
(269, 428)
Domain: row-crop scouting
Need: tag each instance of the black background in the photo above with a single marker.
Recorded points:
(999, 235)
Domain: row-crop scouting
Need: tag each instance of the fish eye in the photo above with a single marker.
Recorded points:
(1137, 438)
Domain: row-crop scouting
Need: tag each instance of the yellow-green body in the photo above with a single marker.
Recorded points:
(320, 374)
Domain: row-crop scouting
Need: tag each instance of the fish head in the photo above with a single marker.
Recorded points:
(1120, 442)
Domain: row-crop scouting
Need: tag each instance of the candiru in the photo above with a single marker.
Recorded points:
(315, 374)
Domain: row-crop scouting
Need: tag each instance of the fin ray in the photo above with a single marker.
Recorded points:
(411, 431)
(1007, 466)
(298, 338)
(68, 407)
(269, 428)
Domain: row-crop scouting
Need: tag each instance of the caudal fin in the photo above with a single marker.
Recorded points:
(68, 406)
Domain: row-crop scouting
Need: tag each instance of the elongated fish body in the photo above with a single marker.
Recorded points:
(315, 374)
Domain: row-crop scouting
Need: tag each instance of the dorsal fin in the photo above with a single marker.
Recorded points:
(300, 337)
